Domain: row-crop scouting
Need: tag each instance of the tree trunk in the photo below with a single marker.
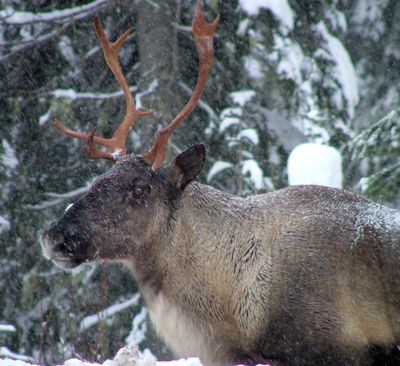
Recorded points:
(157, 38)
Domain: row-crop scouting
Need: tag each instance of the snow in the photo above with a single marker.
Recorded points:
(291, 59)
(191, 361)
(243, 26)
(150, 90)
(91, 320)
(249, 134)
(279, 8)
(60, 197)
(126, 356)
(228, 122)
(370, 12)
(363, 184)
(344, 71)
(11, 16)
(229, 117)
(336, 19)
(6, 353)
(139, 328)
(217, 168)
(66, 49)
(253, 68)
(7, 327)
(252, 168)
(312, 163)
(309, 128)
(242, 97)
(68, 207)
(117, 153)
(44, 118)
(73, 94)
(4, 226)
(201, 103)
(8, 158)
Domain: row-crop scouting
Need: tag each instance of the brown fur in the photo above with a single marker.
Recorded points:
(305, 275)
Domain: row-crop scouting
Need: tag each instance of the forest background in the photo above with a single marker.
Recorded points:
(285, 72)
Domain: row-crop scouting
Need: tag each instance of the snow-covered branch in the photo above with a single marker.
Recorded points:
(21, 45)
(73, 94)
(59, 198)
(13, 17)
(201, 103)
(41, 33)
(91, 320)
(7, 328)
(12, 358)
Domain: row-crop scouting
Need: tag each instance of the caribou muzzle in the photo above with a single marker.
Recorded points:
(65, 244)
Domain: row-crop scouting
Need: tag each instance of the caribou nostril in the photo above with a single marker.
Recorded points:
(60, 248)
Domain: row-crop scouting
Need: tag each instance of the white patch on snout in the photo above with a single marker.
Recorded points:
(68, 207)
(185, 336)
(45, 247)
(46, 252)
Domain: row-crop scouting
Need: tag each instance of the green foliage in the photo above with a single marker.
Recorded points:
(379, 147)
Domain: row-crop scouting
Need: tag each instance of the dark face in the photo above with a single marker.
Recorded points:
(124, 209)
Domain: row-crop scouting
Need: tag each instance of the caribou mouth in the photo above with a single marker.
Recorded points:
(55, 249)
(66, 263)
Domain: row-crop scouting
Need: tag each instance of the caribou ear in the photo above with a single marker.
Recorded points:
(187, 166)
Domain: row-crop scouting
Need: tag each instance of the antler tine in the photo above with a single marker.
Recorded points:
(111, 51)
(203, 36)
(117, 143)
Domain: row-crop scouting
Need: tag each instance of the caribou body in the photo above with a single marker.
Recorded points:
(306, 275)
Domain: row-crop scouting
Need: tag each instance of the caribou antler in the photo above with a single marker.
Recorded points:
(203, 35)
(117, 143)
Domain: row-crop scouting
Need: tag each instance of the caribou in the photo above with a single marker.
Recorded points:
(306, 275)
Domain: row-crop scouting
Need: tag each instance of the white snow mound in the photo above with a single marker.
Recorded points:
(312, 163)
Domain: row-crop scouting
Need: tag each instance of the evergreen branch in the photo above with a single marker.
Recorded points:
(383, 184)
(381, 138)
(13, 17)
(31, 42)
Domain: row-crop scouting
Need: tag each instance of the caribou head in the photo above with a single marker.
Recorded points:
(132, 201)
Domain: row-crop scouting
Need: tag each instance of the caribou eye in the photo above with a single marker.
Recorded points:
(140, 192)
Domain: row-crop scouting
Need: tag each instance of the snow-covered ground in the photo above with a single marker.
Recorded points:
(127, 356)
